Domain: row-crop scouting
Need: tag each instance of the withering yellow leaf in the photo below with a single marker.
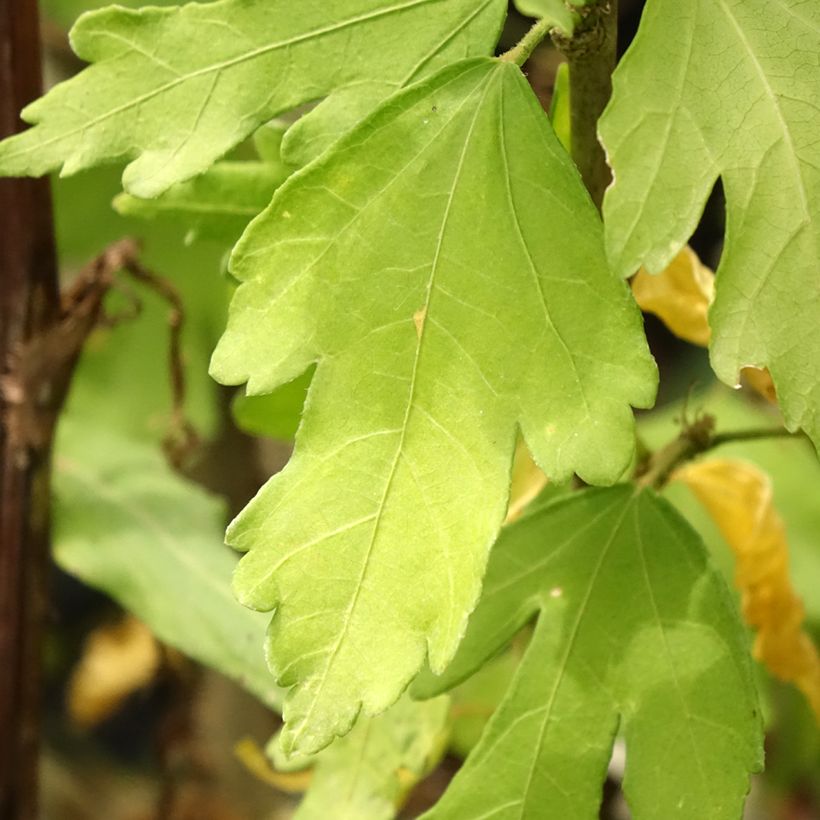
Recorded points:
(118, 659)
(254, 759)
(679, 296)
(527, 482)
(738, 496)
(760, 380)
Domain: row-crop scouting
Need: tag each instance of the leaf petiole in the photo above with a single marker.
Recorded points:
(521, 52)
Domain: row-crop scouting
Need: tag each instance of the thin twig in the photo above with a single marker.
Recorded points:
(694, 440)
(182, 438)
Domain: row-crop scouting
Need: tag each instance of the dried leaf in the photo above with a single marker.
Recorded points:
(738, 496)
(118, 660)
(679, 296)
(760, 380)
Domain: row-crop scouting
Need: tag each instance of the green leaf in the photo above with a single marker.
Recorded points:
(126, 524)
(556, 11)
(276, 415)
(445, 266)
(311, 134)
(560, 107)
(123, 521)
(217, 204)
(65, 12)
(123, 382)
(368, 774)
(728, 88)
(157, 93)
(475, 700)
(635, 629)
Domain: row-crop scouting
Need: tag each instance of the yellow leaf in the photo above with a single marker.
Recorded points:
(118, 659)
(679, 296)
(254, 759)
(527, 481)
(760, 380)
(738, 496)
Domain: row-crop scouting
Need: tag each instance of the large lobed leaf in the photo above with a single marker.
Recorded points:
(445, 266)
(635, 630)
(175, 88)
(728, 88)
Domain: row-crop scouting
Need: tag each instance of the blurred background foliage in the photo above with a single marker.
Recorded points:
(166, 712)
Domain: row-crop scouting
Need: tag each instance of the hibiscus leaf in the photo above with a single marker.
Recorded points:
(634, 627)
(728, 89)
(453, 290)
(154, 94)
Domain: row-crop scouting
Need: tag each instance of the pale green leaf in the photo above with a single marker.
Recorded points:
(215, 205)
(368, 774)
(559, 108)
(728, 88)
(556, 11)
(123, 521)
(123, 382)
(636, 631)
(445, 266)
(276, 415)
(126, 524)
(311, 134)
(174, 89)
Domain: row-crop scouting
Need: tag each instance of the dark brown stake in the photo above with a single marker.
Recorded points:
(29, 303)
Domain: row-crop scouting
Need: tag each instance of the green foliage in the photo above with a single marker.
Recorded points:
(127, 525)
(161, 95)
(635, 630)
(728, 89)
(556, 11)
(368, 774)
(217, 204)
(275, 415)
(456, 355)
(422, 279)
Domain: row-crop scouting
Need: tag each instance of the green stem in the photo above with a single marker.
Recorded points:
(521, 52)
(591, 53)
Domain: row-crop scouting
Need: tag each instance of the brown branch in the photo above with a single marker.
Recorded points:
(181, 440)
(28, 303)
(40, 352)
